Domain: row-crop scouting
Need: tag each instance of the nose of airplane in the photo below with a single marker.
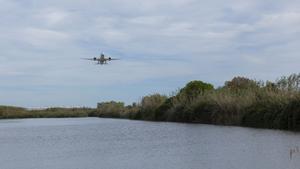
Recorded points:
(109, 58)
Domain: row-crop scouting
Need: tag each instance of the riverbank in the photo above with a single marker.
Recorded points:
(9, 112)
(240, 102)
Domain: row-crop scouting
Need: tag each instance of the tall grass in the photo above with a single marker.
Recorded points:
(241, 101)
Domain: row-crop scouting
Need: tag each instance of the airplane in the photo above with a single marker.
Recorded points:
(102, 59)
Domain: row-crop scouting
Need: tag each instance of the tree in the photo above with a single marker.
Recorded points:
(195, 88)
(241, 83)
(289, 83)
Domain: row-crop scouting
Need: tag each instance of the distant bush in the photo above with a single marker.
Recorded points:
(131, 111)
(12, 112)
(149, 105)
(229, 108)
(241, 83)
(110, 109)
(7, 112)
(263, 111)
(292, 115)
(162, 112)
(289, 83)
(56, 112)
(277, 110)
(178, 107)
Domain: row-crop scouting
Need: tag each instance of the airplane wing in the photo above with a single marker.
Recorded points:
(88, 58)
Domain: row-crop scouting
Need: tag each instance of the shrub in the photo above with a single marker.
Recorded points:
(289, 83)
(241, 83)
(110, 109)
(269, 110)
(149, 105)
(195, 88)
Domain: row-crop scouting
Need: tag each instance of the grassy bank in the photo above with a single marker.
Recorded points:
(8, 112)
(241, 102)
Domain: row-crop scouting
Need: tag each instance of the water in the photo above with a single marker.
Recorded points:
(93, 143)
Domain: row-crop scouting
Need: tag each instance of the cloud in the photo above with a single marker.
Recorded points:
(52, 17)
(43, 37)
(41, 44)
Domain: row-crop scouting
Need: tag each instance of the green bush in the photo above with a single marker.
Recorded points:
(149, 106)
(270, 110)
(161, 111)
(196, 87)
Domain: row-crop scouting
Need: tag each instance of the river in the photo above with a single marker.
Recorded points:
(94, 143)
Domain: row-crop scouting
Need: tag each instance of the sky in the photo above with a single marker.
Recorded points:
(162, 46)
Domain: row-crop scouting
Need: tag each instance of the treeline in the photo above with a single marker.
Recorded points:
(241, 102)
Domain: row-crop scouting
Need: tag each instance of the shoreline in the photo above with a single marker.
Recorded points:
(240, 102)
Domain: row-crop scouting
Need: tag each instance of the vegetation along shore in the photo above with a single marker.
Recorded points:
(240, 102)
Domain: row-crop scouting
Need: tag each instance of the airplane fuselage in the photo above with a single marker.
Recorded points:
(102, 59)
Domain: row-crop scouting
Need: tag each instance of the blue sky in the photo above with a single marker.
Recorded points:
(162, 46)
